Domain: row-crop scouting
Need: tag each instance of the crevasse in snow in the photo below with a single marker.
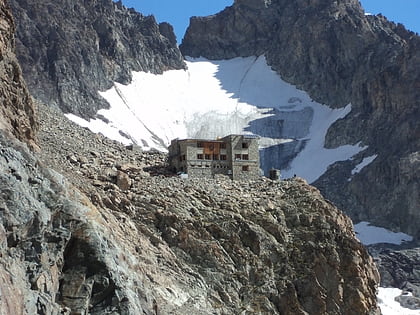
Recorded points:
(216, 98)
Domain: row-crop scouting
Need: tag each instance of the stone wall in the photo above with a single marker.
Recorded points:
(183, 156)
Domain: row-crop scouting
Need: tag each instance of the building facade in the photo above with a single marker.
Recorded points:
(236, 156)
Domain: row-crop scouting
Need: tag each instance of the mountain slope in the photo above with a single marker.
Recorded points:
(69, 50)
(339, 56)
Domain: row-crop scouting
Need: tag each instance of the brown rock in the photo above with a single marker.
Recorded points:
(123, 181)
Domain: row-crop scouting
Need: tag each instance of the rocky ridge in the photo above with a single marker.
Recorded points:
(253, 247)
(336, 53)
(111, 237)
(71, 50)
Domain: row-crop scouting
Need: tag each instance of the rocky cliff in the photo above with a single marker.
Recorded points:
(336, 53)
(70, 50)
(17, 114)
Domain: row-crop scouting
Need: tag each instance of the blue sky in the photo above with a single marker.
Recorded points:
(178, 12)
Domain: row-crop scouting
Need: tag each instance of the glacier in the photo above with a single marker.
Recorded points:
(215, 98)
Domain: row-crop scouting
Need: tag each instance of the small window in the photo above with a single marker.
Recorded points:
(199, 156)
(183, 157)
(223, 145)
(245, 157)
(223, 157)
(245, 145)
(238, 156)
(215, 157)
(245, 168)
(199, 144)
(207, 157)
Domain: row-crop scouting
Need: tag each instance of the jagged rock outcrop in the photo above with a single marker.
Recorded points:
(69, 50)
(17, 114)
(339, 56)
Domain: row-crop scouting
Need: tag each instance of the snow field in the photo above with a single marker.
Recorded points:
(216, 98)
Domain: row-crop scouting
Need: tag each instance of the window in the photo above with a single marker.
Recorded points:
(183, 157)
(223, 157)
(238, 156)
(199, 144)
(207, 156)
(245, 145)
(215, 157)
(199, 156)
(223, 145)
(245, 157)
(245, 168)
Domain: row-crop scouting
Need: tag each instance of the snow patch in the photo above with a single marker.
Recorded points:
(388, 305)
(369, 234)
(365, 162)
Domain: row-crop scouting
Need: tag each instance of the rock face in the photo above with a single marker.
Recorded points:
(70, 50)
(17, 114)
(339, 56)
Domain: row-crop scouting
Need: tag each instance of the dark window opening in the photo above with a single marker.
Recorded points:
(207, 156)
(223, 146)
(238, 156)
(199, 144)
(199, 156)
(245, 145)
(245, 168)
(215, 157)
(245, 157)
(223, 157)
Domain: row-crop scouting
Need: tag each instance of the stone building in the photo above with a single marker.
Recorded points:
(235, 155)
